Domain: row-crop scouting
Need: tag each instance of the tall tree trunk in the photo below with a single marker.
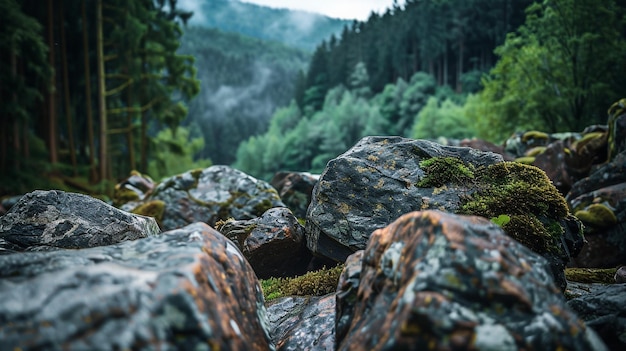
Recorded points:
(144, 116)
(445, 66)
(52, 122)
(92, 145)
(101, 93)
(66, 92)
(459, 84)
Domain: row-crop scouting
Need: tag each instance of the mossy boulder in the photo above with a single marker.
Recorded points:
(213, 194)
(380, 179)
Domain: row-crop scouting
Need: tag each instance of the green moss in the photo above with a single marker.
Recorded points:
(536, 151)
(443, 170)
(591, 275)
(527, 160)
(316, 283)
(501, 220)
(534, 135)
(526, 195)
(124, 195)
(154, 208)
(597, 215)
(262, 206)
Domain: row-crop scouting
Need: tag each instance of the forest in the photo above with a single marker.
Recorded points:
(91, 90)
(449, 69)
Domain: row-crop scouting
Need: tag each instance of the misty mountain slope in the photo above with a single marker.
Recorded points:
(299, 29)
(243, 81)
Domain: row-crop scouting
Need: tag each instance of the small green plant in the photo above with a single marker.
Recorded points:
(501, 220)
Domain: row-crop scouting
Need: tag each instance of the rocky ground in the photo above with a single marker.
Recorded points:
(443, 247)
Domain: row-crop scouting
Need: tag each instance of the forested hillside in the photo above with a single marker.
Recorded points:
(298, 29)
(84, 86)
(452, 68)
(243, 81)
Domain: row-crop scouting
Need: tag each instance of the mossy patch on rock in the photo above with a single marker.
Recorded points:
(527, 160)
(536, 135)
(442, 170)
(154, 208)
(523, 193)
(597, 215)
(315, 283)
(591, 275)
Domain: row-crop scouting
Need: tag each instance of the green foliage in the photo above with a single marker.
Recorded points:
(315, 283)
(175, 153)
(558, 72)
(444, 119)
(501, 220)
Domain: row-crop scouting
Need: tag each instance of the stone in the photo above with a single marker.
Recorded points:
(484, 145)
(186, 289)
(132, 190)
(213, 194)
(438, 281)
(303, 323)
(617, 128)
(381, 178)
(603, 309)
(620, 275)
(274, 244)
(295, 189)
(599, 201)
(47, 220)
(371, 185)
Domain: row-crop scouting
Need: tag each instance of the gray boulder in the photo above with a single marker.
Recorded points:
(212, 194)
(303, 323)
(295, 189)
(372, 184)
(187, 289)
(603, 308)
(45, 220)
(274, 244)
(437, 281)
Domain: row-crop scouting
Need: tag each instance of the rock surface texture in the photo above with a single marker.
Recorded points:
(437, 281)
(46, 220)
(274, 244)
(187, 289)
(295, 189)
(212, 194)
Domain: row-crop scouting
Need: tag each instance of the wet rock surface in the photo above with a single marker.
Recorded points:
(438, 281)
(603, 308)
(303, 323)
(212, 194)
(46, 220)
(187, 289)
(274, 244)
(295, 190)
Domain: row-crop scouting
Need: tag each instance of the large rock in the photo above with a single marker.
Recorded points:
(274, 244)
(303, 323)
(212, 194)
(187, 289)
(295, 189)
(44, 220)
(437, 281)
(371, 185)
(603, 308)
(381, 178)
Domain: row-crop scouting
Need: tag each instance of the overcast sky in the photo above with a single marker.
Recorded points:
(346, 9)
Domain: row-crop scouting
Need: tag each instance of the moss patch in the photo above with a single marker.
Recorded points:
(154, 208)
(443, 170)
(316, 283)
(591, 275)
(597, 215)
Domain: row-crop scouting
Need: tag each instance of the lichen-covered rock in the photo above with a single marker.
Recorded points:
(599, 201)
(295, 189)
(274, 244)
(303, 323)
(45, 220)
(346, 294)
(380, 179)
(187, 289)
(371, 185)
(603, 308)
(212, 194)
(617, 128)
(438, 281)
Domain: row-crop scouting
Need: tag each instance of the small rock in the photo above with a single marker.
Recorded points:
(620, 275)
